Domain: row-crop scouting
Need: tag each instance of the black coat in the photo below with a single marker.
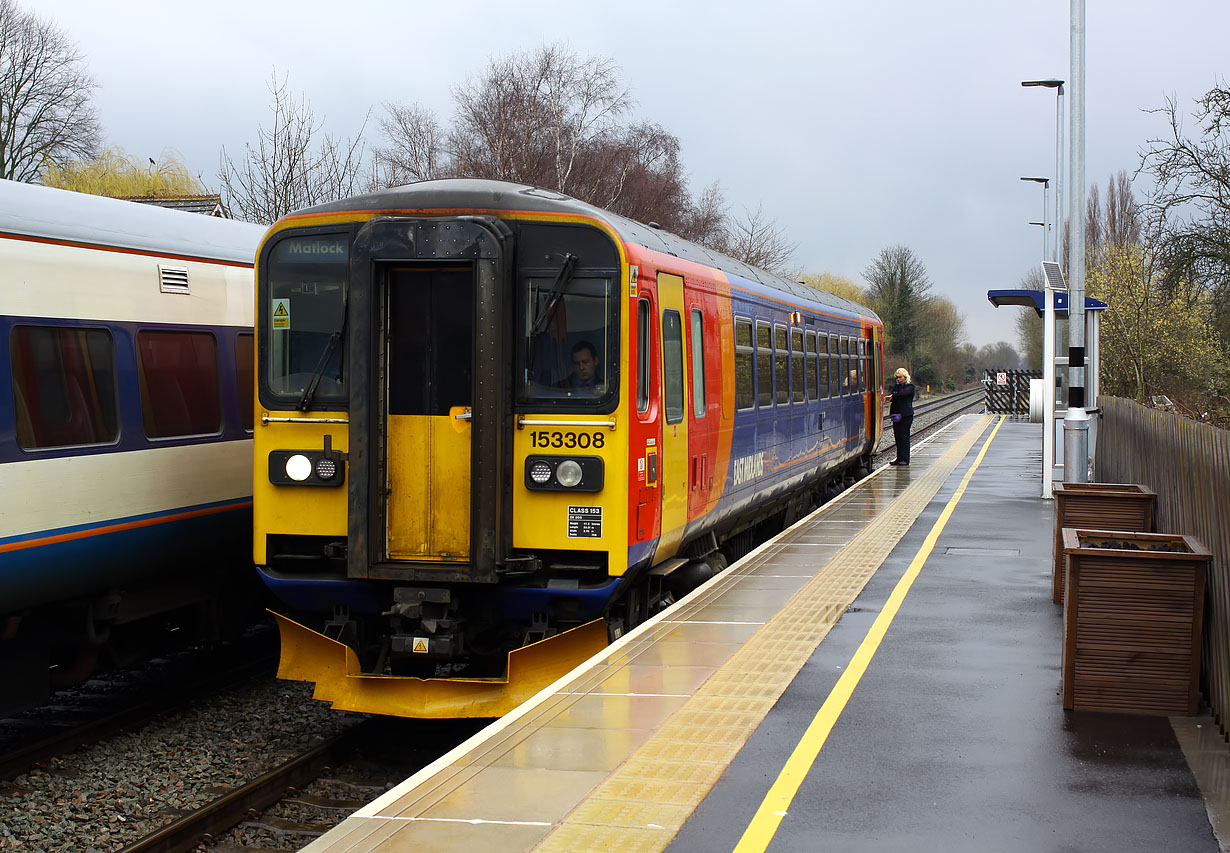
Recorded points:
(903, 400)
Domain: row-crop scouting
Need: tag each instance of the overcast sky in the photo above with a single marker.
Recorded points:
(857, 125)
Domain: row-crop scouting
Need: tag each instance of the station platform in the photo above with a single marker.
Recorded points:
(884, 675)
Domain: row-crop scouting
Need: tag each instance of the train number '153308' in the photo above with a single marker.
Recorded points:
(568, 440)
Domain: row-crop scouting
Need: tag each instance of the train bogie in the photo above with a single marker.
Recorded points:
(496, 423)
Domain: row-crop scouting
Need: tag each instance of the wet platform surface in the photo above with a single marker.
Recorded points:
(941, 729)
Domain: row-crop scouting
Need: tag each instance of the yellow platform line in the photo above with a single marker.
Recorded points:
(643, 803)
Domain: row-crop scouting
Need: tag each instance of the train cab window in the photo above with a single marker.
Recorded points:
(644, 348)
(810, 366)
(745, 365)
(798, 392)
(244, 377)
(178, 373)
(672, 365)
(825, 350)
(569, 323)
(698, 363)
(63, 386)
(781, 362)
(764, 365)
(304, 316)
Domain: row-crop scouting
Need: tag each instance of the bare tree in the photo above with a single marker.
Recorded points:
(290, 167)
(1190, 204)
(45, 112)
(553, 119)
(756, 240)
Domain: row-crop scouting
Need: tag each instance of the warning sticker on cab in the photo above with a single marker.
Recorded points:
(584, 522)
(281, 313)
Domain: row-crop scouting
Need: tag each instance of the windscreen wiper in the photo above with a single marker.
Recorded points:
(557, 292)
(310, 391)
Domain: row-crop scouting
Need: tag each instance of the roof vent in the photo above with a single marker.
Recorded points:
(173, 279)
(654, 225)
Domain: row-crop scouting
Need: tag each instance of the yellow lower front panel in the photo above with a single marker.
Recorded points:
(333, 666)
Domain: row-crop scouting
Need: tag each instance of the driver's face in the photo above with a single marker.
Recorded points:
(584, 363)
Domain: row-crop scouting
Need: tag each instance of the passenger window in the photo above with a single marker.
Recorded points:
(810, 362)
(672, 365)
(745, 359)
(862, 367)
(244, 378)
(698, 363)
(825, 389)
(844, 344)
(764, 365)
(179, 383)
(781, 361)
(63, 386)
(643, 350)
(797, 390)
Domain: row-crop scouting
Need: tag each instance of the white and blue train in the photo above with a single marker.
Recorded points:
(126, 373)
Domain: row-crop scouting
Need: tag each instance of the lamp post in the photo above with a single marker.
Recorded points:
(1046, 184)
(1058, 86)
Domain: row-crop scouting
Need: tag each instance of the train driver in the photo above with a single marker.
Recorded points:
(584, 375)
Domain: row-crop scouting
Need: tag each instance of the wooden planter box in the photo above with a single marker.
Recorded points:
(1100, 506)
(1132, 622)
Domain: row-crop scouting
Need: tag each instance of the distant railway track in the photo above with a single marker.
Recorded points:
(931, 413)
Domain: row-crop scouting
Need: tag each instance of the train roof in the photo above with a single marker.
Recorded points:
(30, 210)
(475, 194)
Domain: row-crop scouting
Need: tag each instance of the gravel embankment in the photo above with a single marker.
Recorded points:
(115, 792)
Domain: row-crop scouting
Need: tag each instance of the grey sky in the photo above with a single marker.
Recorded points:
(856, 125)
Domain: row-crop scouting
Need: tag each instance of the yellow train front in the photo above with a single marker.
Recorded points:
(497, 427)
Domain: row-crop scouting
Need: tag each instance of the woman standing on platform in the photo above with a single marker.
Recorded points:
(901, 413)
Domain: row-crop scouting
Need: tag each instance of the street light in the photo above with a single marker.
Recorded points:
(1046, 183)
(1058, 86)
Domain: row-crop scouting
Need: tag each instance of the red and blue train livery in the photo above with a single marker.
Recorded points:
(497, 426)
(126, 364)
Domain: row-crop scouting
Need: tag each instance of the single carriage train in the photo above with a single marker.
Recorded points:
(498, 426)
(126, 367)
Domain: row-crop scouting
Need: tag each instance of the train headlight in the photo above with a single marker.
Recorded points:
(540, 472)
(563, 473)
(326, 468)
(568, 473)
(298, 467)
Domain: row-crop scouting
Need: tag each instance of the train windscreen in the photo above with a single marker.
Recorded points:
(571, 340)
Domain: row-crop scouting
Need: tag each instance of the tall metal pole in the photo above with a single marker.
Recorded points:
(1058, 174)
(1076, 421)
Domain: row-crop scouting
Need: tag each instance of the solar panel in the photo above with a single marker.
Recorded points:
(1054, 276)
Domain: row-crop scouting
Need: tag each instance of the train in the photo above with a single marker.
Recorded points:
(126, 371)
(497, 427)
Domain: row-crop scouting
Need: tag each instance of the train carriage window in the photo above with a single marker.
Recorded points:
(643, 355)
(305, 317)
(844, 345)
(672, 365)
(698, 363)
(825, 350)
(178, 374)
(764, 365)
(798, 392)
(63, 386)
(813, 391)
(781, 362)
(244, 377)
(745, 365)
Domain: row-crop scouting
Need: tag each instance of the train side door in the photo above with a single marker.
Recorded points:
(429, 382)
(674, 451)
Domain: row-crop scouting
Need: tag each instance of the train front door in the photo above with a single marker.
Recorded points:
(429, 392)
(674, 455)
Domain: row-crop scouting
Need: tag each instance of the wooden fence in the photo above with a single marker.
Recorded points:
(1188, 464)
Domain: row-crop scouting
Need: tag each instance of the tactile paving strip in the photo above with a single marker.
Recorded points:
(644, 802)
